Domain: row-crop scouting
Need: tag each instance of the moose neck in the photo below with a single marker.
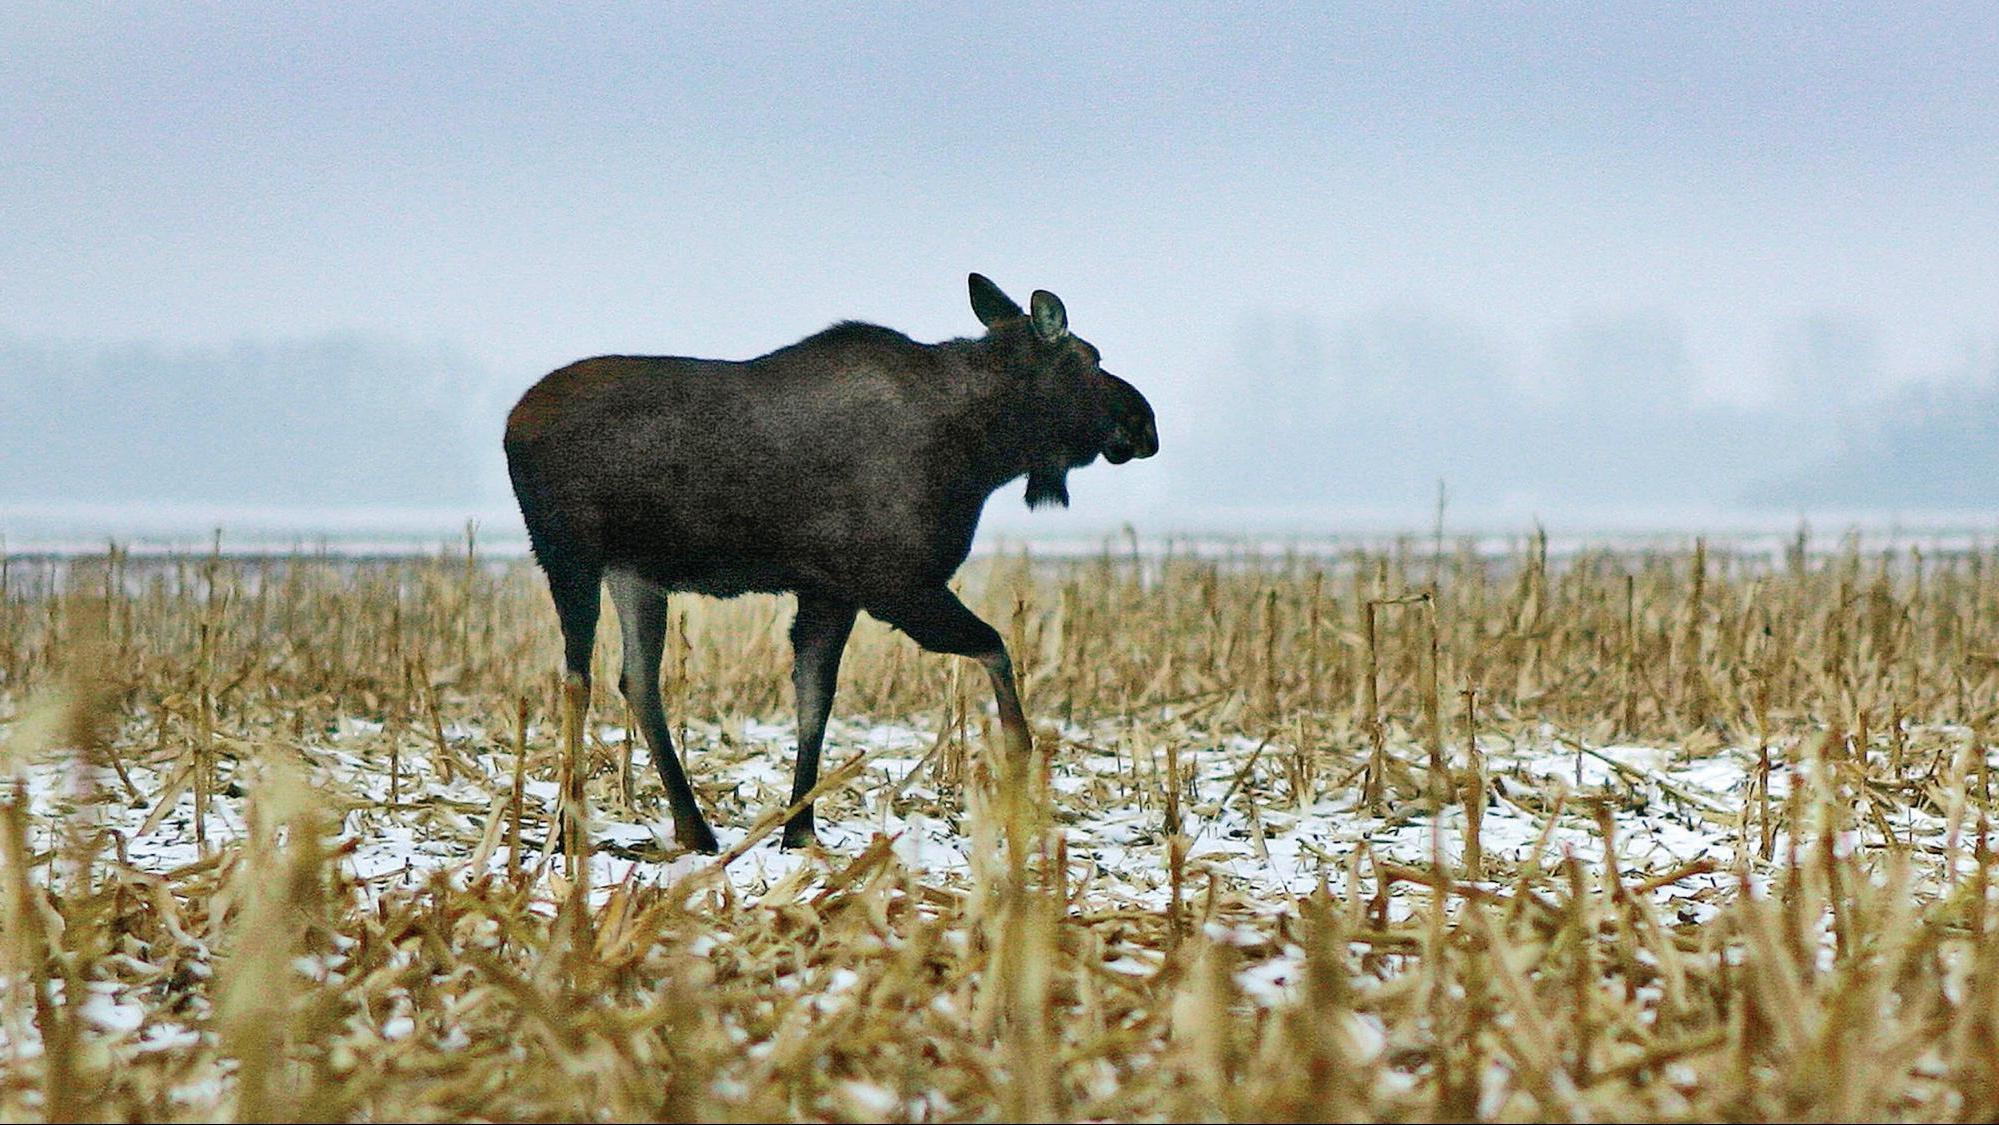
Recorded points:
(1009, 427)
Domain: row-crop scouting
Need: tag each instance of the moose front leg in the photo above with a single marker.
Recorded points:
(1006, 693)
(938, 621)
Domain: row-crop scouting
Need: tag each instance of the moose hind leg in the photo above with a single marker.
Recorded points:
(642, 621)
(577, 591)
(818, 637)
(938, 621)
(575, 582)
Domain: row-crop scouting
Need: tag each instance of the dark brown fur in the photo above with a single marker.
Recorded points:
(849, 468)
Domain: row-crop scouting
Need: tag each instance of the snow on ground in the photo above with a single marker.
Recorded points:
(1236, 810)
(1247, 836)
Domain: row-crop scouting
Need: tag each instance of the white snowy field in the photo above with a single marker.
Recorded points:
(1683, 827)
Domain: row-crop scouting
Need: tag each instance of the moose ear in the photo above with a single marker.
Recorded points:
(1051, 320)
(989, 304)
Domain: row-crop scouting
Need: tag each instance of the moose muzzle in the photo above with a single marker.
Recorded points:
(1134, 433)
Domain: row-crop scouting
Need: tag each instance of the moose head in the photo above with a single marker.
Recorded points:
(1097, 412)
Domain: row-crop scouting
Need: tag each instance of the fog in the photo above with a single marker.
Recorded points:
(1570, 264)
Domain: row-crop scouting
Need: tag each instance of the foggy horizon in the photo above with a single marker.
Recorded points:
(1582, 266)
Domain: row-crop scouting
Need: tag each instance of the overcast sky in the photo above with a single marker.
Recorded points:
(527, 186)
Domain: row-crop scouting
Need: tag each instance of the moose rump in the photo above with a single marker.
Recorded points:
(849, 468)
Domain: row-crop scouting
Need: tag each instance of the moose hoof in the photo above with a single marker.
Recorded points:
(798, 836)
(696, 837)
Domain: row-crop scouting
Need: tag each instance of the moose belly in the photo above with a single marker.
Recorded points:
(726, 561)
(723, 578)
(856, 555)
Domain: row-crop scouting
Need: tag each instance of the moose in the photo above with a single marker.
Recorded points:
(849, 469)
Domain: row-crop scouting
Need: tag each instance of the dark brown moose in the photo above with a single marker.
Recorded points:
(849, 468)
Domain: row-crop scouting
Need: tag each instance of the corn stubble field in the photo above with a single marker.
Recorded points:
(1397, 833)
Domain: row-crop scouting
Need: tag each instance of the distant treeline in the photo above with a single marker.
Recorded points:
(1379, 410)
(328, 421)
(1372, 412)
